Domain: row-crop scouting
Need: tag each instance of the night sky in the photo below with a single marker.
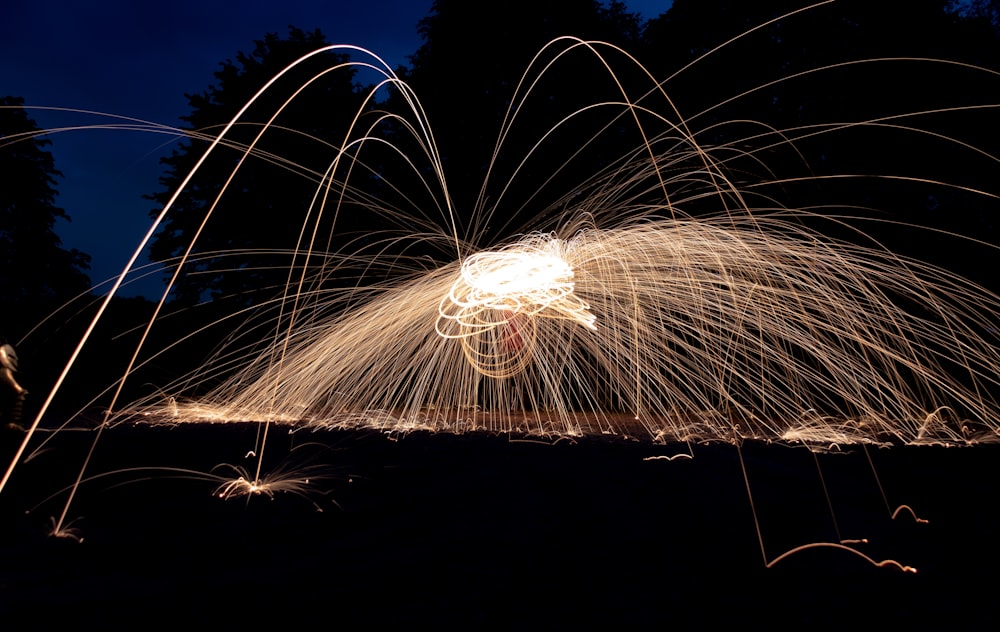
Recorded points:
(138, 60)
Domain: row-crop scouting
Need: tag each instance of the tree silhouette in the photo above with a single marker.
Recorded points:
(985, 12)
(466, 72)
(265, 203)
(36, 273)
(862, 70)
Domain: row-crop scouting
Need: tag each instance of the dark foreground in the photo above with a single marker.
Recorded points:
(485, 532)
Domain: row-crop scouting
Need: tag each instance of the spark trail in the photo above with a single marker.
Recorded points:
(691, 329)
(612, 310)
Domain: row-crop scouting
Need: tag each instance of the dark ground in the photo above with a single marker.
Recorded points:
(485, 532)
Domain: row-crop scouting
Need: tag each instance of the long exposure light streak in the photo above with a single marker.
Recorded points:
(703, 328)
(612, 311)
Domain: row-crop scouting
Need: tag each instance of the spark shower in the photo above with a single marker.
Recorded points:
(613, 311)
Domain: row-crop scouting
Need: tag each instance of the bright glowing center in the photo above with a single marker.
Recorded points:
(530, 278)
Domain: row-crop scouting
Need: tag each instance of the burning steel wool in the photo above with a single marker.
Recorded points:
(492, 306)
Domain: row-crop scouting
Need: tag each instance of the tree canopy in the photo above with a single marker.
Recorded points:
(37, 273)
(243, 249)
(473, 58)
(895, 90)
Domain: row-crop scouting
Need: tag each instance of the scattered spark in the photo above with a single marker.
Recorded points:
(612, 313)
(66, 531)
(909, 510)
(815, 545)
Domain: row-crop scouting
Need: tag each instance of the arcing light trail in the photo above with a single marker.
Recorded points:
(615, 312)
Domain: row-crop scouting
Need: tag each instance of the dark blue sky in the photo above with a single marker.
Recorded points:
(137, 59)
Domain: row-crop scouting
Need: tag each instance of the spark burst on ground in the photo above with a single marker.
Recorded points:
(620, 313)
(686, 329)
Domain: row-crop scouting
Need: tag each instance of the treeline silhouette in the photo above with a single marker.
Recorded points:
(740, 74)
